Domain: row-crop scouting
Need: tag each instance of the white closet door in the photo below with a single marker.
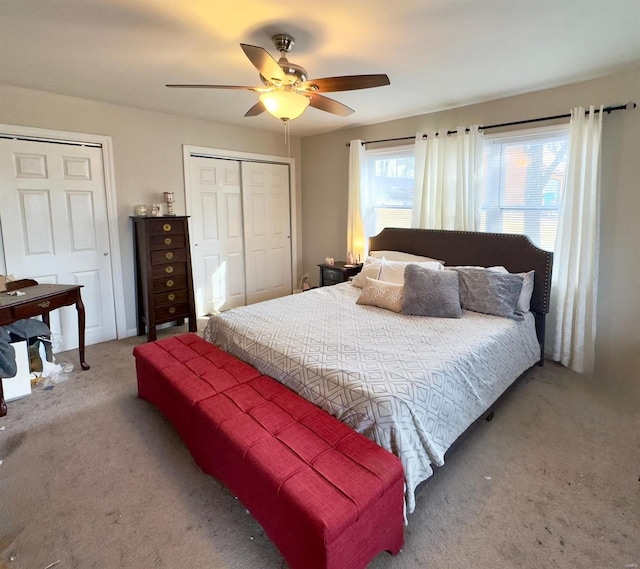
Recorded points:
(54, 228)
(267, 230)
(217, 256)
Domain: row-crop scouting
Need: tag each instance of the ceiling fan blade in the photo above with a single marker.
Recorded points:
(241, 87)
(329, 105)
(264, 63)
(346, 83)
(257, 109)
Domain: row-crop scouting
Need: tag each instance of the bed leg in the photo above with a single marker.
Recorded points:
(489, 417)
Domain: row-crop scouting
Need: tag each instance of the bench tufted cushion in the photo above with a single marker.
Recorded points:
(326, 495)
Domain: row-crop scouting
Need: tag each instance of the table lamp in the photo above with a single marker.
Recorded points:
(168, 199)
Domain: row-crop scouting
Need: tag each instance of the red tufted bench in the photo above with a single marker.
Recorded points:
(327, 496)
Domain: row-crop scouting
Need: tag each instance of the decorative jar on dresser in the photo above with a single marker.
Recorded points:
(163, 273)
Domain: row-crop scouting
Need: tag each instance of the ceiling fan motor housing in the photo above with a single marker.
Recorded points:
(283, 42)
(296, 74)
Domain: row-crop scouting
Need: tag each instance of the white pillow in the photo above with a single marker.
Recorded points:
(524, 301)
(371, 268)
(400, 256)
(393, 271)
(381, 294)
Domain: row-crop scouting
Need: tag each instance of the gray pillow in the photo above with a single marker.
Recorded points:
(490, 292)
(428, 292)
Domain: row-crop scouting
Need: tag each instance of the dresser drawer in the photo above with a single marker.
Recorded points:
(168, 256)
(165, 227)
(168, 270)
(171, 241)
(170, 283)
(171, 312)
(170, 297)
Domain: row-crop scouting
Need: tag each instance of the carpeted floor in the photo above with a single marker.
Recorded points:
(93, 477)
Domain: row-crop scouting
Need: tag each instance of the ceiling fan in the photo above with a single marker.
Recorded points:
(286, 91)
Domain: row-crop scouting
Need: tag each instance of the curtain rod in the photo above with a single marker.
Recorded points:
(629, 106)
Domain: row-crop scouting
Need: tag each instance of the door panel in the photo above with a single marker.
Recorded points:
(266, 201)
(217, 250)
(54, 228)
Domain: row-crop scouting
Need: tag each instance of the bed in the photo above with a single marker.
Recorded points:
(413, 384)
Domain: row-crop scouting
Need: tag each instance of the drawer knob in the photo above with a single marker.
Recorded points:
(172, 310)
(169, 269)
(169, 255)
(166, 227)
(170, 283)
(44, 304)
(167, 240)
(171, 296)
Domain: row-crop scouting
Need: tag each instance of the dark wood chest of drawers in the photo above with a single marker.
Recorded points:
(163, 273)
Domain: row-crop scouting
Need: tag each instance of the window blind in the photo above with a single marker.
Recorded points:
(522, 182)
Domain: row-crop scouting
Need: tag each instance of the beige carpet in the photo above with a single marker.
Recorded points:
(93, 477)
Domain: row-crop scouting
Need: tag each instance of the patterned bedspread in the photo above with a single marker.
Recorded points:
(410, 383)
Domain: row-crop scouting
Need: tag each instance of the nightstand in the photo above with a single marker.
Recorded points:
(337, 273)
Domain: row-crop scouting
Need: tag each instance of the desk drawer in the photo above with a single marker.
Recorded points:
(20, 312)
(168, 256)
(43, 306)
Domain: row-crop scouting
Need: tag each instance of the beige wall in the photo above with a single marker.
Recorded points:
(147, 148)
(324, 197)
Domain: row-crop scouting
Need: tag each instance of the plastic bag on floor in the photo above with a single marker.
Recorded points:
(52, 372)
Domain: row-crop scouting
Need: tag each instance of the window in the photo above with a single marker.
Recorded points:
(522, 180)
(390, 185)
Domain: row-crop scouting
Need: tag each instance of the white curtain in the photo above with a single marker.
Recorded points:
(356, 240)
(575, 266)
(447, 167)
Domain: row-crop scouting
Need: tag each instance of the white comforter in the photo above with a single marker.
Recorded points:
(412, 384)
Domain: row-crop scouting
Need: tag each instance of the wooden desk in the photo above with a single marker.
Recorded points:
(40, 300)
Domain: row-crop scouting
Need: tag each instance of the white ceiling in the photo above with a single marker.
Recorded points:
(438, 53)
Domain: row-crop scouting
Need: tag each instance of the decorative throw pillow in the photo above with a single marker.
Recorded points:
(401, 256)
(429, 292)
(524, 300)
(393, 271)
(381, 294)
(371, 268)
(490, 292)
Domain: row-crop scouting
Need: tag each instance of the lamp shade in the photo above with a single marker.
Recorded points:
(284, 104)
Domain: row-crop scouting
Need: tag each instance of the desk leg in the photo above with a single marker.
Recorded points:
(80, 309)
(3, 405)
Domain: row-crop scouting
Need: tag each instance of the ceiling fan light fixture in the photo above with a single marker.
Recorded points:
(284, 103)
